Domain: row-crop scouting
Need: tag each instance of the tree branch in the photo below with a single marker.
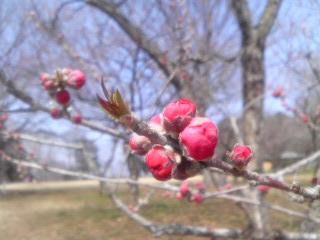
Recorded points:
(267, 19)
(138, 36)
(241, 10)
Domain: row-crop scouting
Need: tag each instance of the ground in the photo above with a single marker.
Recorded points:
(87, 214)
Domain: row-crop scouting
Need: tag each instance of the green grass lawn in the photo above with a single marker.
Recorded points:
(86, 214)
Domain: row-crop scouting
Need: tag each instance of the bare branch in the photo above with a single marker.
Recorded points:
(243, 16)
(267, 19)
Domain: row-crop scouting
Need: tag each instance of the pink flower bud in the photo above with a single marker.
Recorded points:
(49, 85)
(4, 117)
(241, 156)
(63, 97)
(264, 189)
(314, 181)
(166, 194)
(198, 198)
(44, 77)
(55, 113)
(140, 145)
(198, 140)
(179, 195)
(20, 147)
(225, 187)
(76, 80)
(200, 186)
(177, 115)
(305, 118)
(155, 123)
(184, 189)
(161, 162)
(77, 118)
(277, 93)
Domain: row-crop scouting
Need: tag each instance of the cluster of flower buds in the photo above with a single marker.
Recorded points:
(56, 86)
(186, 193)
(278, 93)
(240, 156)
(196, 136)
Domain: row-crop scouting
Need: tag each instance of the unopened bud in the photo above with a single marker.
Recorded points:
(241, 156)
(198, 140)
(140, 145)
(177, 116)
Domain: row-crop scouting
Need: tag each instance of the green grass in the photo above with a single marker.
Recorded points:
(86, 214)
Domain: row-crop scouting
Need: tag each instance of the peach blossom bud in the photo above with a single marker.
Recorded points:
(63, 97)
(77, 118)
(184, 189)
(177, 115)
(241, 156)
(161, 162)
(140, 145)
(179, 195)
(200, 186)
(166, 194)
(55, 113)
(198, 198)
(155, 123)
(44, 77)
(76, 80)
(264, 189)
(4, 117)
(198, 140)
(225, 187)
(277, 93)
(20, 147)
(49, 85)
(305, 118)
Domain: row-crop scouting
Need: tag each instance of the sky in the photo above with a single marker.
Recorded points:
(296, 31)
